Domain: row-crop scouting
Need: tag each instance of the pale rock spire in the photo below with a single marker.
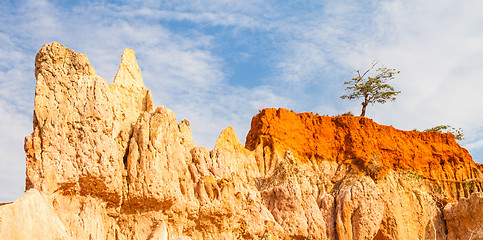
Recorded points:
(129, 73)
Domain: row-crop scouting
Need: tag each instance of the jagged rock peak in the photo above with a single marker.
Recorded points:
(228, 139)
(129, 72)
(56, 59)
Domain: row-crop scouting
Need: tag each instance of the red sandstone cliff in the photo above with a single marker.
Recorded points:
(104, 163)
(361, 141)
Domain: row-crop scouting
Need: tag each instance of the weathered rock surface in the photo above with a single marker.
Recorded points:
(104, 163)
(31, 217)
(464, 218)
(71, 148)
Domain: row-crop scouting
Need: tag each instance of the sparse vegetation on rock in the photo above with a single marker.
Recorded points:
(457, 132)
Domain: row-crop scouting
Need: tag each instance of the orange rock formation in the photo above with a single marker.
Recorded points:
(359, 140)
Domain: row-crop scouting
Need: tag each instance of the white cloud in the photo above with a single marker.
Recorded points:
(215, 18)
(434, 44)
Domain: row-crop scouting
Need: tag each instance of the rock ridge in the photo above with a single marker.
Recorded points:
(103, 162)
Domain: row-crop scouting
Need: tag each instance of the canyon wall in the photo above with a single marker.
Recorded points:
(104, 163)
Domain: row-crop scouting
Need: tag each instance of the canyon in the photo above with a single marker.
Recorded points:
(103, 162)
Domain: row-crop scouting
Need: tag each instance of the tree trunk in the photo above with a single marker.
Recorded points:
(364, 105)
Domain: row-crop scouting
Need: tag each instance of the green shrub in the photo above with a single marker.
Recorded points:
(458, 133)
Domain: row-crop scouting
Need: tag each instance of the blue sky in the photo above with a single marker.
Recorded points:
(216, 63)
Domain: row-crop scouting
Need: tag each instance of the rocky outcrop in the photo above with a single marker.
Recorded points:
(71, 148)
(104, 163)
(366, 145)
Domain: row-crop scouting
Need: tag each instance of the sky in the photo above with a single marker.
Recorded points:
(217, 63)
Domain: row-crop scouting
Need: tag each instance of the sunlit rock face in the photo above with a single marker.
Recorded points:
(104, 163)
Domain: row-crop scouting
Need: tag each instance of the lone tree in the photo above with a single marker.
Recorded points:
(372, 89)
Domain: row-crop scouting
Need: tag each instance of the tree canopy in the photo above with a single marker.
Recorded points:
(372, 89)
